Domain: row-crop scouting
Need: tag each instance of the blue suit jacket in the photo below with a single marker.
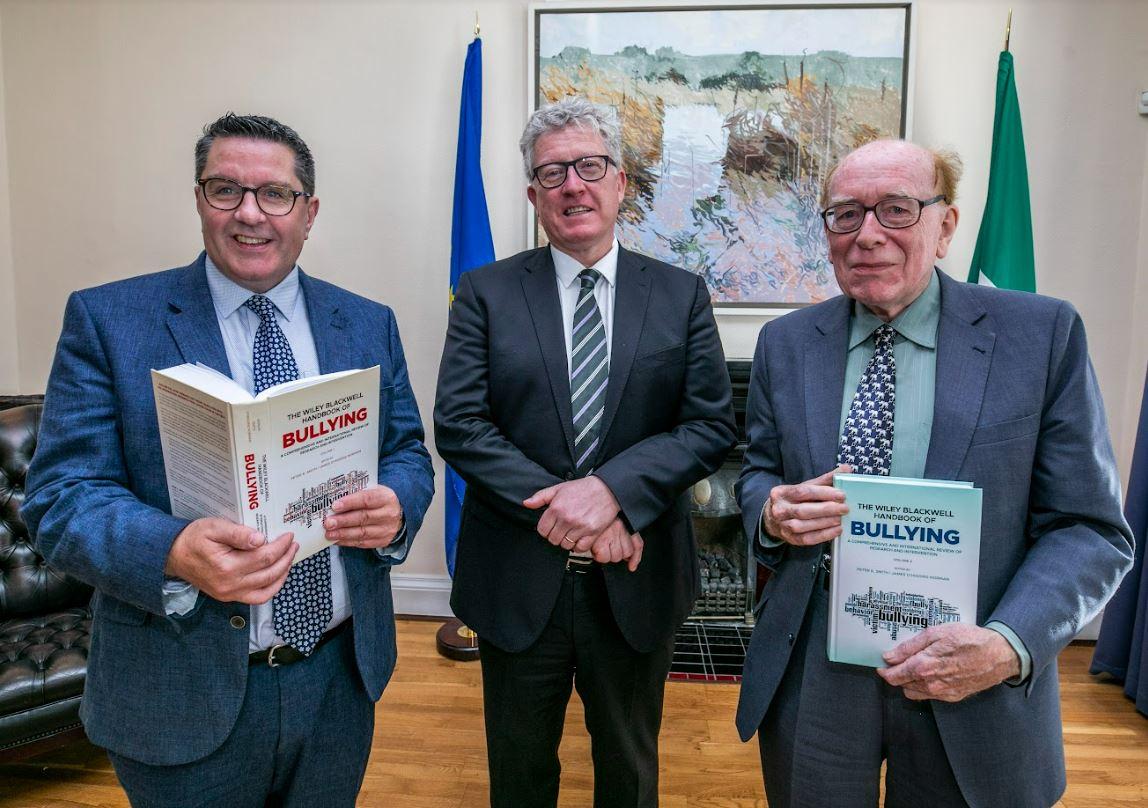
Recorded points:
(1018, 413)
(164, 690)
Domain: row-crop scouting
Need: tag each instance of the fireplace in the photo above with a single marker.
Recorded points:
(727, 568)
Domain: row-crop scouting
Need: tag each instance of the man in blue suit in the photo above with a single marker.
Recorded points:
(993, 387)
(220, 674)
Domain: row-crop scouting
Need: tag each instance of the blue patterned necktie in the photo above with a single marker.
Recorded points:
(867, 440)
(302, 608)
(589, 371)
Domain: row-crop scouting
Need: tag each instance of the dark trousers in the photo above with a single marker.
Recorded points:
(302, 739)
(830, 726)
(526, 693)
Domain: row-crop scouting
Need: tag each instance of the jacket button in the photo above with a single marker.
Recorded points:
(569, 475)
(791, 639)
(238, 622)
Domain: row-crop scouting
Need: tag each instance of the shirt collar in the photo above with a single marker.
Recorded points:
(567, 269)
(228, 296)
(918, 322)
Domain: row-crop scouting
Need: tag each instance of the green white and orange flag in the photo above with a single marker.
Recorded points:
(1003, 255)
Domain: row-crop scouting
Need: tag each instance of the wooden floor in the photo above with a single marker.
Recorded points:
(429, 748)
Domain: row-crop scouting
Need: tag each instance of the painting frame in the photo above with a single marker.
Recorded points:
(770, 296)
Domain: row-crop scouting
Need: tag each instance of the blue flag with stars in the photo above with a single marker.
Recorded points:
(470, 242)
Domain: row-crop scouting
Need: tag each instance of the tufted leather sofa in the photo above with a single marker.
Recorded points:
(44, 618)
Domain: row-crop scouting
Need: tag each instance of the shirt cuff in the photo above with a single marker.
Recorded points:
(1018, 646)
(397, 550)
(179, 596)
(764, 539)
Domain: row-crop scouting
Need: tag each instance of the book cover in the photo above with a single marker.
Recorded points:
(275, 462)
(907, 558)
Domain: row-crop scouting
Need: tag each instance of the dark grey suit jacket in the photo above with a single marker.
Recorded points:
(1018, 413)
(503, 421)
(163, 690)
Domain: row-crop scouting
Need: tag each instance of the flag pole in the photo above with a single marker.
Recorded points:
(1007, 30)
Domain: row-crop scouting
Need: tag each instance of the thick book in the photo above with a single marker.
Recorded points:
(276, 461)
(907, 558)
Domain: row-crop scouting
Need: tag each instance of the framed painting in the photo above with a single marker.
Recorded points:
(731, 117)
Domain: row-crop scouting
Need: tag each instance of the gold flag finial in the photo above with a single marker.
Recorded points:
(1007, 30)
(476, 29)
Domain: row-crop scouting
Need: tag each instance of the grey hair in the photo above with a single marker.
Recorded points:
(572, 111)
(257, 127)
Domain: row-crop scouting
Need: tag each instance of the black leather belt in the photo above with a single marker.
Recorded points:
(579, 565)
(278, 655)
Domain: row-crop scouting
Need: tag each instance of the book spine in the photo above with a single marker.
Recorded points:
(834, 604)
(250, 428)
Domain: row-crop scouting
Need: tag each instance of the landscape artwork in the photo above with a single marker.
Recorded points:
(731, 117)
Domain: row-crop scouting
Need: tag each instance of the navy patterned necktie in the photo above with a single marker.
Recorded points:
(867, 440)
(589, 371)
(302, 608)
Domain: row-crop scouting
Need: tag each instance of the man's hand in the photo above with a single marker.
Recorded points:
(368, 518)
(577, 509)
(807, 513)
(612, 545)
(950, 662)
(230, 562)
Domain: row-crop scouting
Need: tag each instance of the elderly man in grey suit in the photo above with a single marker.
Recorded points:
(993, 387)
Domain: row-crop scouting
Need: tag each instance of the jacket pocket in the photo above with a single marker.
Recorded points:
(1007, 430)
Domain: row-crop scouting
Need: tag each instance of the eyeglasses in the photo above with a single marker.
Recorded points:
(895, 213)
(591, 169)
(274, 200)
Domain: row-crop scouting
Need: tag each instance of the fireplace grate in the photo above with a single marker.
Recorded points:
(709, 652)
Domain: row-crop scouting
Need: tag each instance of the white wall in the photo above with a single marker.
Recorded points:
(9, 342)
(102, 101)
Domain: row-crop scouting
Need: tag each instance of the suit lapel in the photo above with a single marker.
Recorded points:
(964, 354)
(631, 299)
(328, 326)
(540, 287)
(192, 322)
(824, 373)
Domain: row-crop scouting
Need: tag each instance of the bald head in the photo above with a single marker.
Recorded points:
(946, 165)
(886, 268)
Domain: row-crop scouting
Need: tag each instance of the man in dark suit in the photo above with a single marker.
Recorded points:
(220, 674)
(993, 387)
(582, 391)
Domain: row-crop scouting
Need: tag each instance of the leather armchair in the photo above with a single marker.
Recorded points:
(45, 622)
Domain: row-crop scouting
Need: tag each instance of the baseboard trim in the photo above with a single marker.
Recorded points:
(421, 595)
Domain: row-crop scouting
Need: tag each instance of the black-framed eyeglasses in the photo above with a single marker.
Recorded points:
(590, 168)
(274, 200)
(895, 213)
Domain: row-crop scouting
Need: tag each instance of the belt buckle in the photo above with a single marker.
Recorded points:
(578, 564)
(271, 663)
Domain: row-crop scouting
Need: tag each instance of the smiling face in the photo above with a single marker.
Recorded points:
(578, 216)
(253, 249)
(887, 269)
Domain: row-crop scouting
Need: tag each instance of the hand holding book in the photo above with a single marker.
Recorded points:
(950, 662)
(370, 518)
(231, 562)
(807, 513)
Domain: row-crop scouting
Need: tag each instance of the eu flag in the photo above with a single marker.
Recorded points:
(470, 242)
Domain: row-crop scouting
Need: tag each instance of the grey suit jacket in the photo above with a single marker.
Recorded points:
(163, 690)
(1018, 413)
